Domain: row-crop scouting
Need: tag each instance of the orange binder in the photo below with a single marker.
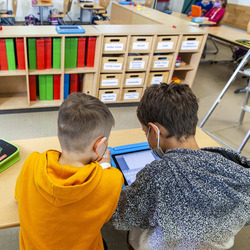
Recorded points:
(20, 53)
(56, 87)
(73, 86)
(195, 11)
(40, 52)
(32, 88)
(48, 52)
(81, 52)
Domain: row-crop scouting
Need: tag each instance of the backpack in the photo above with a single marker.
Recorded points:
(8, 20)
(31, 20)
(53, 20)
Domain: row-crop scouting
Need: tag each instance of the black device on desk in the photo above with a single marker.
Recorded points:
(88, 5)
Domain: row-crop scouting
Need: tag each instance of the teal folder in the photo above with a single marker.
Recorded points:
(67, 53)
(10, 50)
(49, 87)
(42, 87)
(73, 48)
(56, 53)
(32, 52)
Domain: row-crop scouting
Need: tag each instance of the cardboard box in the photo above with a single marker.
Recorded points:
(141, 43)
(166, 43)
(157, 78)
(137, 62)
(162, 62)
(111, 64)
(114, 44)
(134, 80)
(131, 95)
(191, 43)
(110, 81)
(109, 95)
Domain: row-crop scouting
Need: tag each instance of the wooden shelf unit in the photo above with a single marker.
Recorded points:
(14, 84)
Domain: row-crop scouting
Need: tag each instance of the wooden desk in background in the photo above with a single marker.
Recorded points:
(41, 4)
(85, 6)
(8, 205)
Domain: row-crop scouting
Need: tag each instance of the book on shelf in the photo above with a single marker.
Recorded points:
(32, 53)
(81, 52)
(49, 87)
(3, 55)
(40, 51)
(56, 86)
(20, 53)
(74, 83)
(42, 87)
(90, 51)
(48, 52)
(66, 86)
(73, 50)
(56, 57)
(32, 88)
(10, 50)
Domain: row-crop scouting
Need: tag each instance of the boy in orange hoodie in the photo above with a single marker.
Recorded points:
(64, 198)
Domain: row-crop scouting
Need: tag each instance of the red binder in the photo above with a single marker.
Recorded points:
(32, 88)
(81, 52)
(48, 52)
(3, 57)
(40, 53)
(73, 86)
(91, 52)
(56, 87)
(20, 53)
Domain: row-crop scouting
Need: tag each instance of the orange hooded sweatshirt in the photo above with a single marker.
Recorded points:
(64, 207)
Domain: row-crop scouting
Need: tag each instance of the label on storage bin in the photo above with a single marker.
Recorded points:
(133, 81)
(157, 79)
(140, 45)
(161, 64)
(165, 45)
(190, 45)
(109, 97)
(110, 82)
(113, 47)
(131, 96)
(137, 65)
(112, 66)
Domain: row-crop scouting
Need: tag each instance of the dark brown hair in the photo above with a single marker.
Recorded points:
(173, 105)
(81, 119)
(224, 4)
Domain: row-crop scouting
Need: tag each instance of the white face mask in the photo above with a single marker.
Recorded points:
(157, 151)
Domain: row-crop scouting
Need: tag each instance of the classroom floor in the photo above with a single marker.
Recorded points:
(223, 123)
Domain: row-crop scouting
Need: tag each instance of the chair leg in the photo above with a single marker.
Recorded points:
(245, 102)
(244, 142)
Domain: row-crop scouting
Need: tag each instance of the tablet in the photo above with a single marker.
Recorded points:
(130, 159)
(69, 29)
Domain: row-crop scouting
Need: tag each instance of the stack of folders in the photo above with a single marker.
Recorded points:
(10, 50)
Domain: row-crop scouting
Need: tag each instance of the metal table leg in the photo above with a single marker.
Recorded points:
(41, 14)
(232, 78)
(91, 16)
(81, 12)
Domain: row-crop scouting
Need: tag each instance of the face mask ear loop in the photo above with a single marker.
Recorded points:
(158, 138)
(148, 132)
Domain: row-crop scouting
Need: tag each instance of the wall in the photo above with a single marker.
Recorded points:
(240, 2)
(176, 5)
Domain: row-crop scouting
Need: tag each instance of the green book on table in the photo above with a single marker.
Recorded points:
(73, 48)
(42, 87)
(49, 87)
(10, 51)
(56, 53)
(67, 53)
(32, 53)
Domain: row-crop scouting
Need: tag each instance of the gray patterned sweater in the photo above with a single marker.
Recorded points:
(191, 199)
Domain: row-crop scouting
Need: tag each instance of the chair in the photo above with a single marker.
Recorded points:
(248, 28)
(61, 14)
(103, 13)
(149, 3)
(6, 17)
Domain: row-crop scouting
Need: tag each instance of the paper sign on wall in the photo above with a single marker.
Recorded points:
(131, 96)
(140, 45)
(110, 82)
(113, 47)
(112, 66)
(133, 81)
(190, 45)
(161, 64)
(137, 65)
(157, 79)
(165, 45)
(109, 97)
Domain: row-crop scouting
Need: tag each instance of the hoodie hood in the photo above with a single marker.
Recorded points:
(63, 185)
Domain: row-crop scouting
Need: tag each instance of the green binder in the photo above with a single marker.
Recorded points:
(10, 50)
(67, 53)
(49, 87)
(42, 87)
(32, 52)
(73, 48)
(56, 53)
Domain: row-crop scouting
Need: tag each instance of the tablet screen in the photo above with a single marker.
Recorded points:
(131, 163)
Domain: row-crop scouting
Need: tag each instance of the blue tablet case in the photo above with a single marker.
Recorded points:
(70, 29)
(126, 2)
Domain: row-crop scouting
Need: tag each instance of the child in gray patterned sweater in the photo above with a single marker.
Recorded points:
(193, 198)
